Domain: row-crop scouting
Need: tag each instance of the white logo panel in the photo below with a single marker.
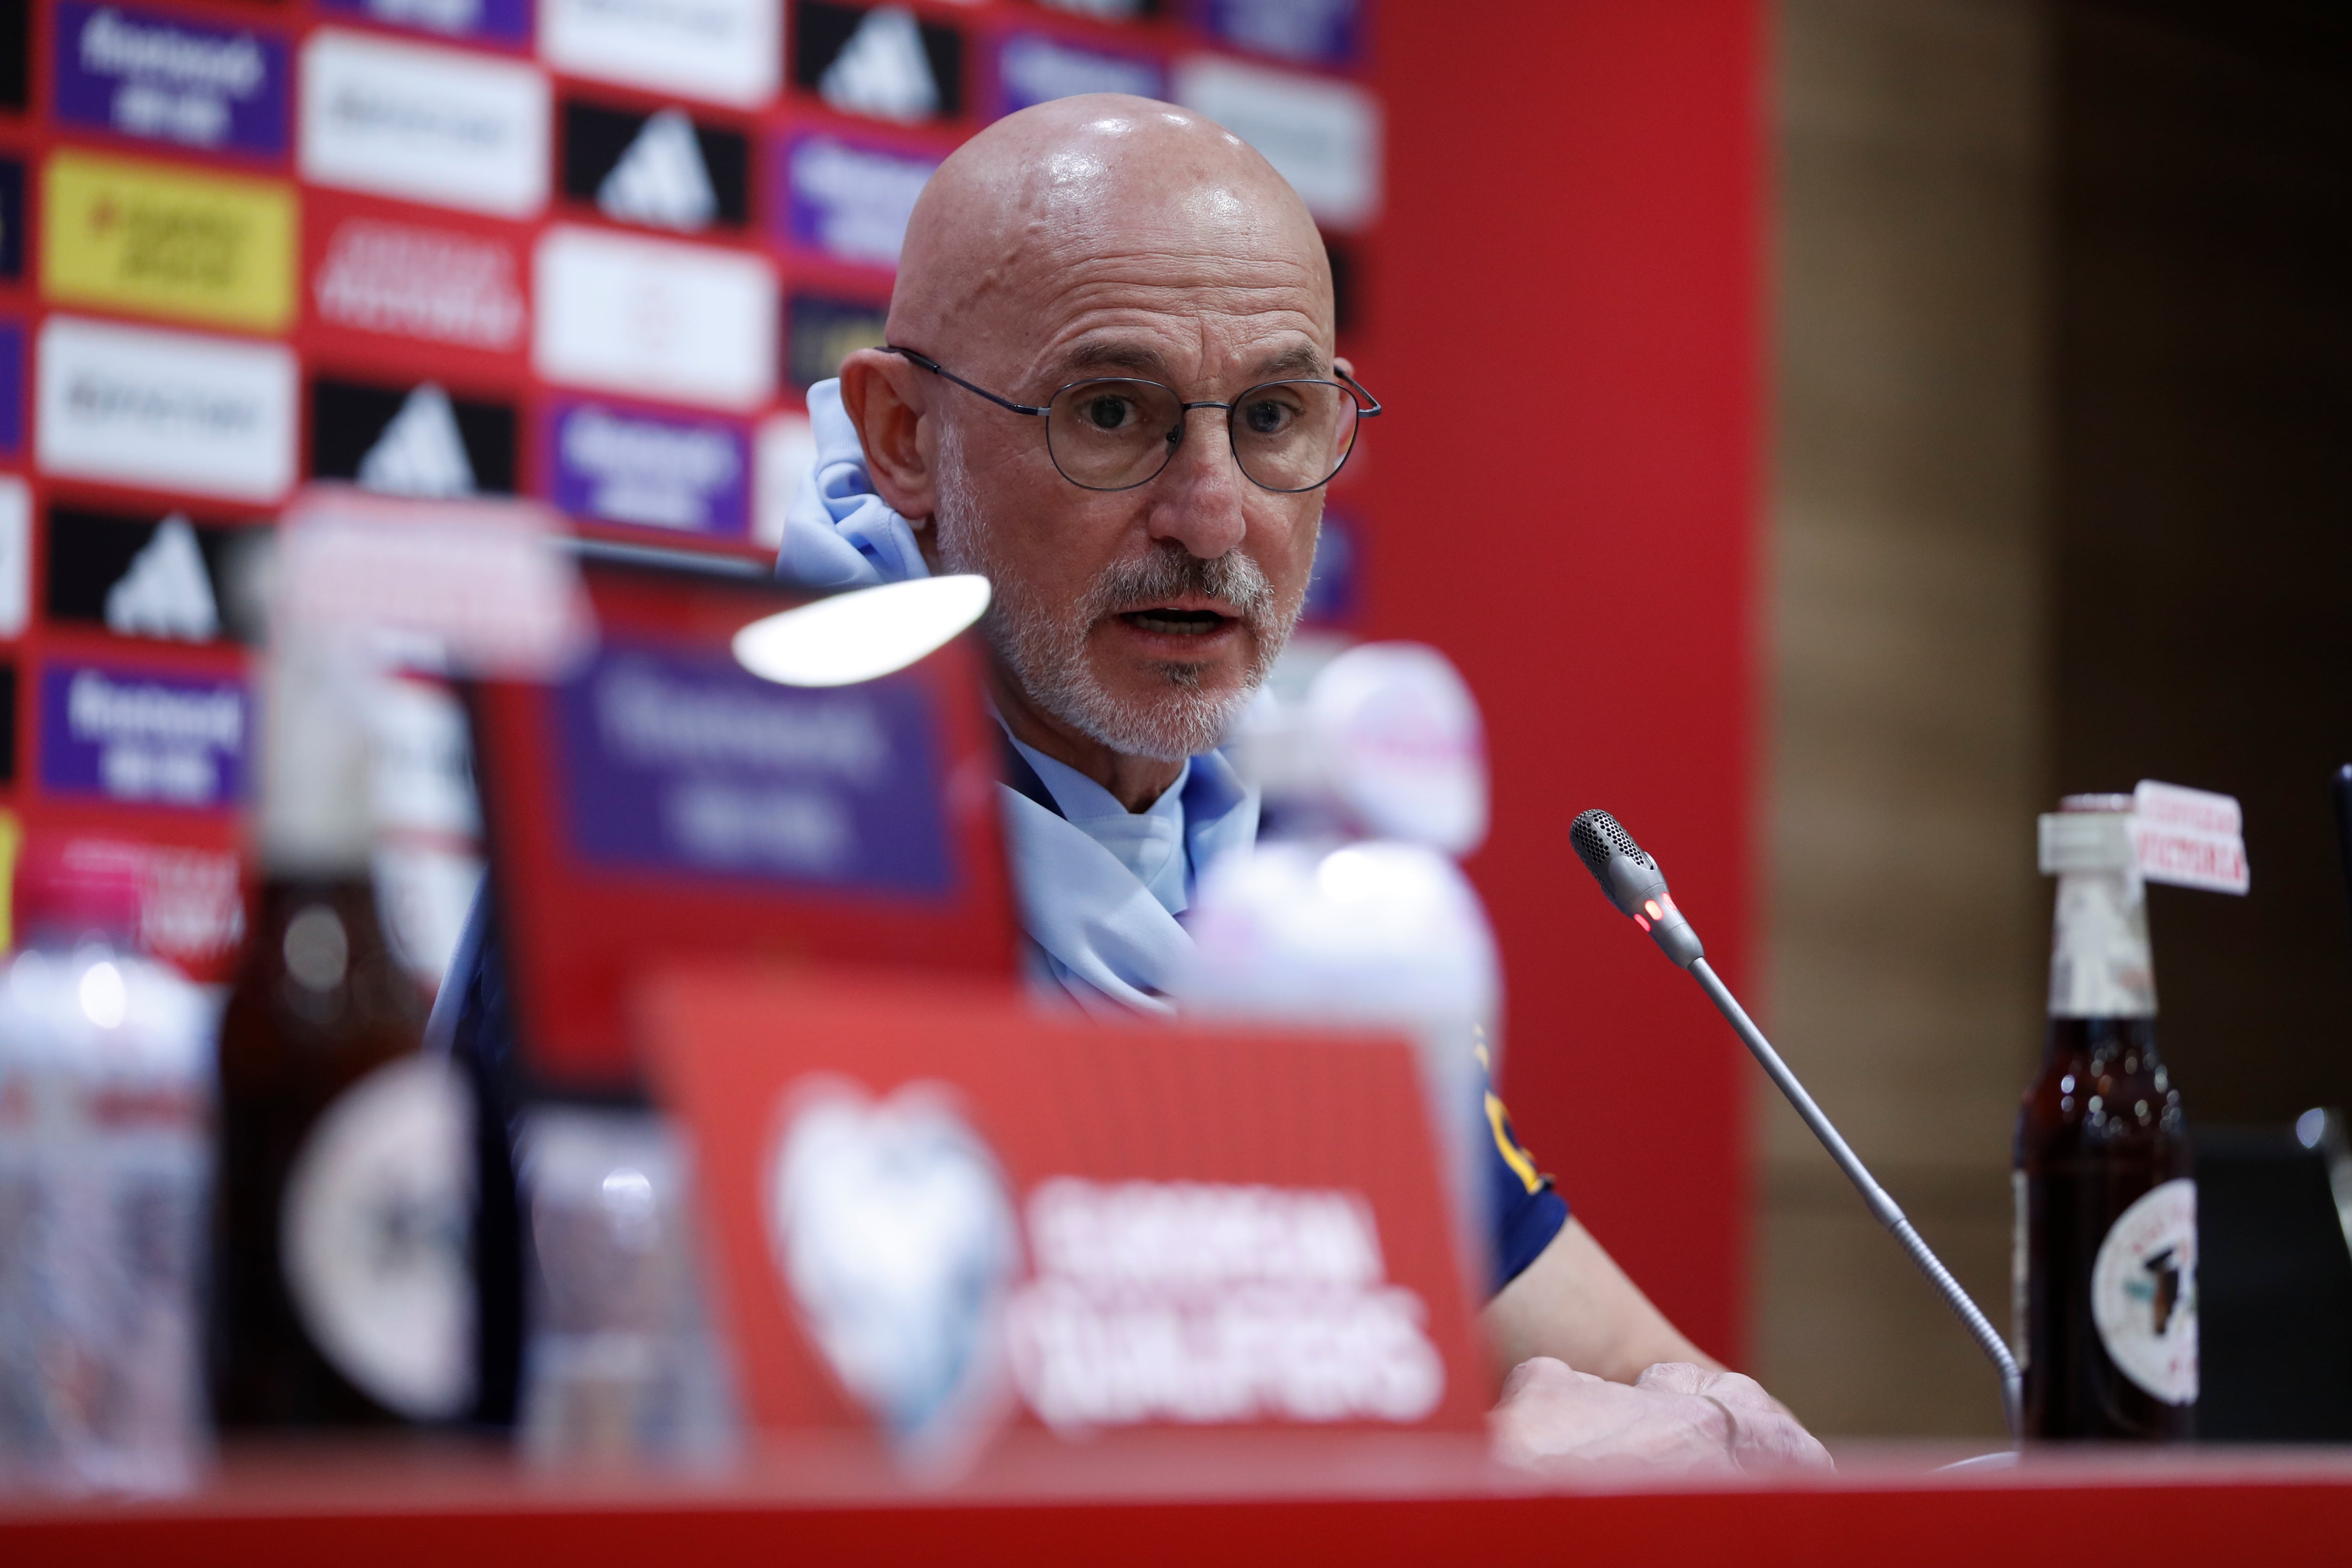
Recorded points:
(16, 554)
(171, 410)
(730, 51)
(1322, 136)
(424, 124)
(655, 317)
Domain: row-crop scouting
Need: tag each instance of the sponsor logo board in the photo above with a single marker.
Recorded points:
(1314, 32)
(411, 440)
(430, 282)
(653, 318)
(658, 470)
(824, 331)
(424, 124)
(8, 722)
(170, 79)
(729, 51)
(162, 240)
(140, 576)
(16, 54)
(663, 170)
(850, 199)
(1322, 135)
(785, 456)
(494, 21)
(686, 762)
(165, 410)
(1106, 10)
(108, 732)
(15, 555)
(12, 219)
(1037, 68)
(881, 61)
(12, 387)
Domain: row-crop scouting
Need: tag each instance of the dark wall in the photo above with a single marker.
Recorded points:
(2202, 501)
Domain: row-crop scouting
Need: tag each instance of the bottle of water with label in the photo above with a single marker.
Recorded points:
(106, 1089)
(344, 1285)
(2104, 1267)
(1353, 913)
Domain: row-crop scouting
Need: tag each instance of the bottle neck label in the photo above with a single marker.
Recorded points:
(2100, 963)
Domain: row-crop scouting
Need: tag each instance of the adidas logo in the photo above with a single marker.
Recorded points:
(882, 71)
(166, 592)
(660, 180)
(420, 452)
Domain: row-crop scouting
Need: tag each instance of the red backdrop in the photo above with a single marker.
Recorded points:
(1565, 319)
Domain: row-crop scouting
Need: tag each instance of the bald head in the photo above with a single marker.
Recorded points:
(1093, 193)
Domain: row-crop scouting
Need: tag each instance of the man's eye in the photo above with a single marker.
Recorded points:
(1268, 417)
(1107, 413)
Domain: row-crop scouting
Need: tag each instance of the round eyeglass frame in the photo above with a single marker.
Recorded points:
(1367, 407)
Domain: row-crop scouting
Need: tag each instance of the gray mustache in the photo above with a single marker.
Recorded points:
(1233, 579)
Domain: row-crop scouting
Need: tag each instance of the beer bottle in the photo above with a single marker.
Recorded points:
(342, 1289)
(2105, 1258)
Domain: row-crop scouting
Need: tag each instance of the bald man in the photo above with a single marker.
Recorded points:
(1110, 388)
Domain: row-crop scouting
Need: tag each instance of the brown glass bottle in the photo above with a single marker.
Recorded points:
(322, 1003)
(2105, 1282)
(340, 1224)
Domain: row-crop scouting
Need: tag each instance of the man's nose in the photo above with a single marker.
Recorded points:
(1197, 499)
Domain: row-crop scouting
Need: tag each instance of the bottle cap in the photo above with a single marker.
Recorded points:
(2083, 803)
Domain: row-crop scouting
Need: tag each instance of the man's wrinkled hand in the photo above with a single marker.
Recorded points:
(1677, 1417)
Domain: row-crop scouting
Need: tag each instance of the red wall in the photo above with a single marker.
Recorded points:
(1565, 324)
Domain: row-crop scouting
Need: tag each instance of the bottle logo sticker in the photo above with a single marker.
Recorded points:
(2144, 1292)
(375, 1228)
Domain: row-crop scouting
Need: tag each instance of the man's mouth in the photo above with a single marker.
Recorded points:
(1174, 622)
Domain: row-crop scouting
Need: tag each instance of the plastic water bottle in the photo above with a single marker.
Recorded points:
(1354, 914)
(106, 1092)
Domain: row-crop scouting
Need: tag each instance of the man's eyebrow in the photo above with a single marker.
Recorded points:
(1139, 358)
(1300, 360)
(1143, 360)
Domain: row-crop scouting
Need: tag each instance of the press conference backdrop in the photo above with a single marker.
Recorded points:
(586, 252)
(594, 252)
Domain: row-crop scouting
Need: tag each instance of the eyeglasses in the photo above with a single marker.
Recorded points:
(1114, 433)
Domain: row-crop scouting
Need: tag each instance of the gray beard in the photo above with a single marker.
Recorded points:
(1044, 643)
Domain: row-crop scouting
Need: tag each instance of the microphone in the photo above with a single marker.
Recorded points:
(1635, 884)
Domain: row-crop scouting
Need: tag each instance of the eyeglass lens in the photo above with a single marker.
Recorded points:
(1112, 434)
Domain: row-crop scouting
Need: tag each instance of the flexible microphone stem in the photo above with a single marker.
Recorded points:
(1883, 1207)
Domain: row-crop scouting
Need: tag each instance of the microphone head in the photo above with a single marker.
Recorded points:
(1598, 838)
(1633, 883)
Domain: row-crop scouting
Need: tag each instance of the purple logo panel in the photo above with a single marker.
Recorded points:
(143, 738)
(688, 764)
(849, 198)
(170, 78)
(1036, 68)
(12, 387)
(502, 21)
(1313, 32)
(657, 470)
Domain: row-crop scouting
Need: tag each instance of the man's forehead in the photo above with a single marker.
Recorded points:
(1058, 219)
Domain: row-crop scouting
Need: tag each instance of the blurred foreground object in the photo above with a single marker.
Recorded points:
(1352, 913)
(2106, 1256)
(623, 1362)
(105, 1162)
(344, 1293)
(350, 1287)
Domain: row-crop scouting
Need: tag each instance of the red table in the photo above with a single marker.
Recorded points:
(1177, 1500)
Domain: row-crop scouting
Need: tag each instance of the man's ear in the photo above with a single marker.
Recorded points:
(883, 395)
